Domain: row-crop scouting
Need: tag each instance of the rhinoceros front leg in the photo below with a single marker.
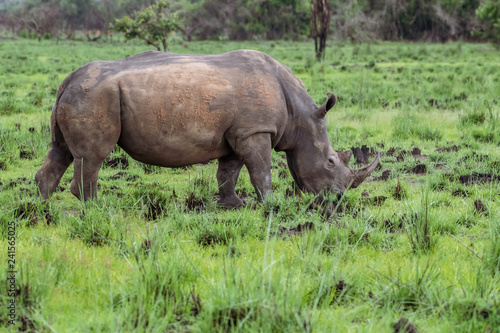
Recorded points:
(255, 152)
(227, 176)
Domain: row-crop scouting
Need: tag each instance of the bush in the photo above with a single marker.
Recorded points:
(489, 13)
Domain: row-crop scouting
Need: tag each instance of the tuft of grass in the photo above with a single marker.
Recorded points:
(419, 226)
(159, 297)
(491, 256)
(94, 226)
(8, 104)
(408, 125)
(410, 293)
(211, 233)
(474, 117)
(153, 202)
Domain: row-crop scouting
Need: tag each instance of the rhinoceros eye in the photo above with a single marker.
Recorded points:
(331, 162)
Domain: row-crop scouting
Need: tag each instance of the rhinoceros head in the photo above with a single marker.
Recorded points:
(313, 163)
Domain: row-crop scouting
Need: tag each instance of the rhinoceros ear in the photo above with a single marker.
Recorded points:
(323, 109)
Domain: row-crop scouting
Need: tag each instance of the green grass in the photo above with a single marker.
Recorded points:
(154, 252)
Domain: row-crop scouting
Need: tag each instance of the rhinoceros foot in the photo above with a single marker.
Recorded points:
(231, 202)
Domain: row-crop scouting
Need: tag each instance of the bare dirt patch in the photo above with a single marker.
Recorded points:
(385, 175)
(475, 178)
(298, 230)
(420, 169)
(30, 212)
(480, 207)
(403, 325)
(194, 204)
(361, 154)
(119, 162)
(453, 148)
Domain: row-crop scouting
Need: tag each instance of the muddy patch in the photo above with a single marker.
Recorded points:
(385, 175)
(119, 162)
(403, 325)
(449, 149)
(298, 230)
(194, 204)
(475, 157)
(362, 154)
(401, 155)
(420, 169)
(475, 178)
(461, 192)
(283, 169)
(34, 214)
(26, 154)
(375, 201)
(341, 288)
(480, 207)
(146, 246)
(329, 209)
(119, 175)
(440, 166)
(417, 154)
(393, 224)
(15, 182)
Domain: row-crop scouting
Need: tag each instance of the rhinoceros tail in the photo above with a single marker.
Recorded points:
(57, 138)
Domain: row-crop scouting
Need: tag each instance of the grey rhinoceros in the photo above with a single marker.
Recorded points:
(175, 110)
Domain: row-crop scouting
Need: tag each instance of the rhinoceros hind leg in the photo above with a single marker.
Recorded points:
(50, 173)
(227, 176)
(85, 173)
(255, 152)
(84, 183)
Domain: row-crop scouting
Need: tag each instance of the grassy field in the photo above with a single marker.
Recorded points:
(416, 245)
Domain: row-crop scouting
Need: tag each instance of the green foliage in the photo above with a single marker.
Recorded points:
(489, 13)
(150, 25)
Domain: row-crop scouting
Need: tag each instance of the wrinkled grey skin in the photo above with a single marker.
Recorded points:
(175, 110)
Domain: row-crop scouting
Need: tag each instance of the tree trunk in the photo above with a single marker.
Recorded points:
(320, 25)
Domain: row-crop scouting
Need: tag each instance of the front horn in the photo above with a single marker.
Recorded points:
(359, 175)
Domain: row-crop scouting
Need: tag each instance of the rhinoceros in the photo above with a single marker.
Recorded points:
(175, 110)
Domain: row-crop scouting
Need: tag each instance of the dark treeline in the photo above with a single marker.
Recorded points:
(356, 20)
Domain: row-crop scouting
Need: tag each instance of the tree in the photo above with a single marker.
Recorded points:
(41, 18)
(150, 24)
(489, 13)
(320, 24)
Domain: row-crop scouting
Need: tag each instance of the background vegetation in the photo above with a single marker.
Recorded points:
(355, 20)
(415, 247)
